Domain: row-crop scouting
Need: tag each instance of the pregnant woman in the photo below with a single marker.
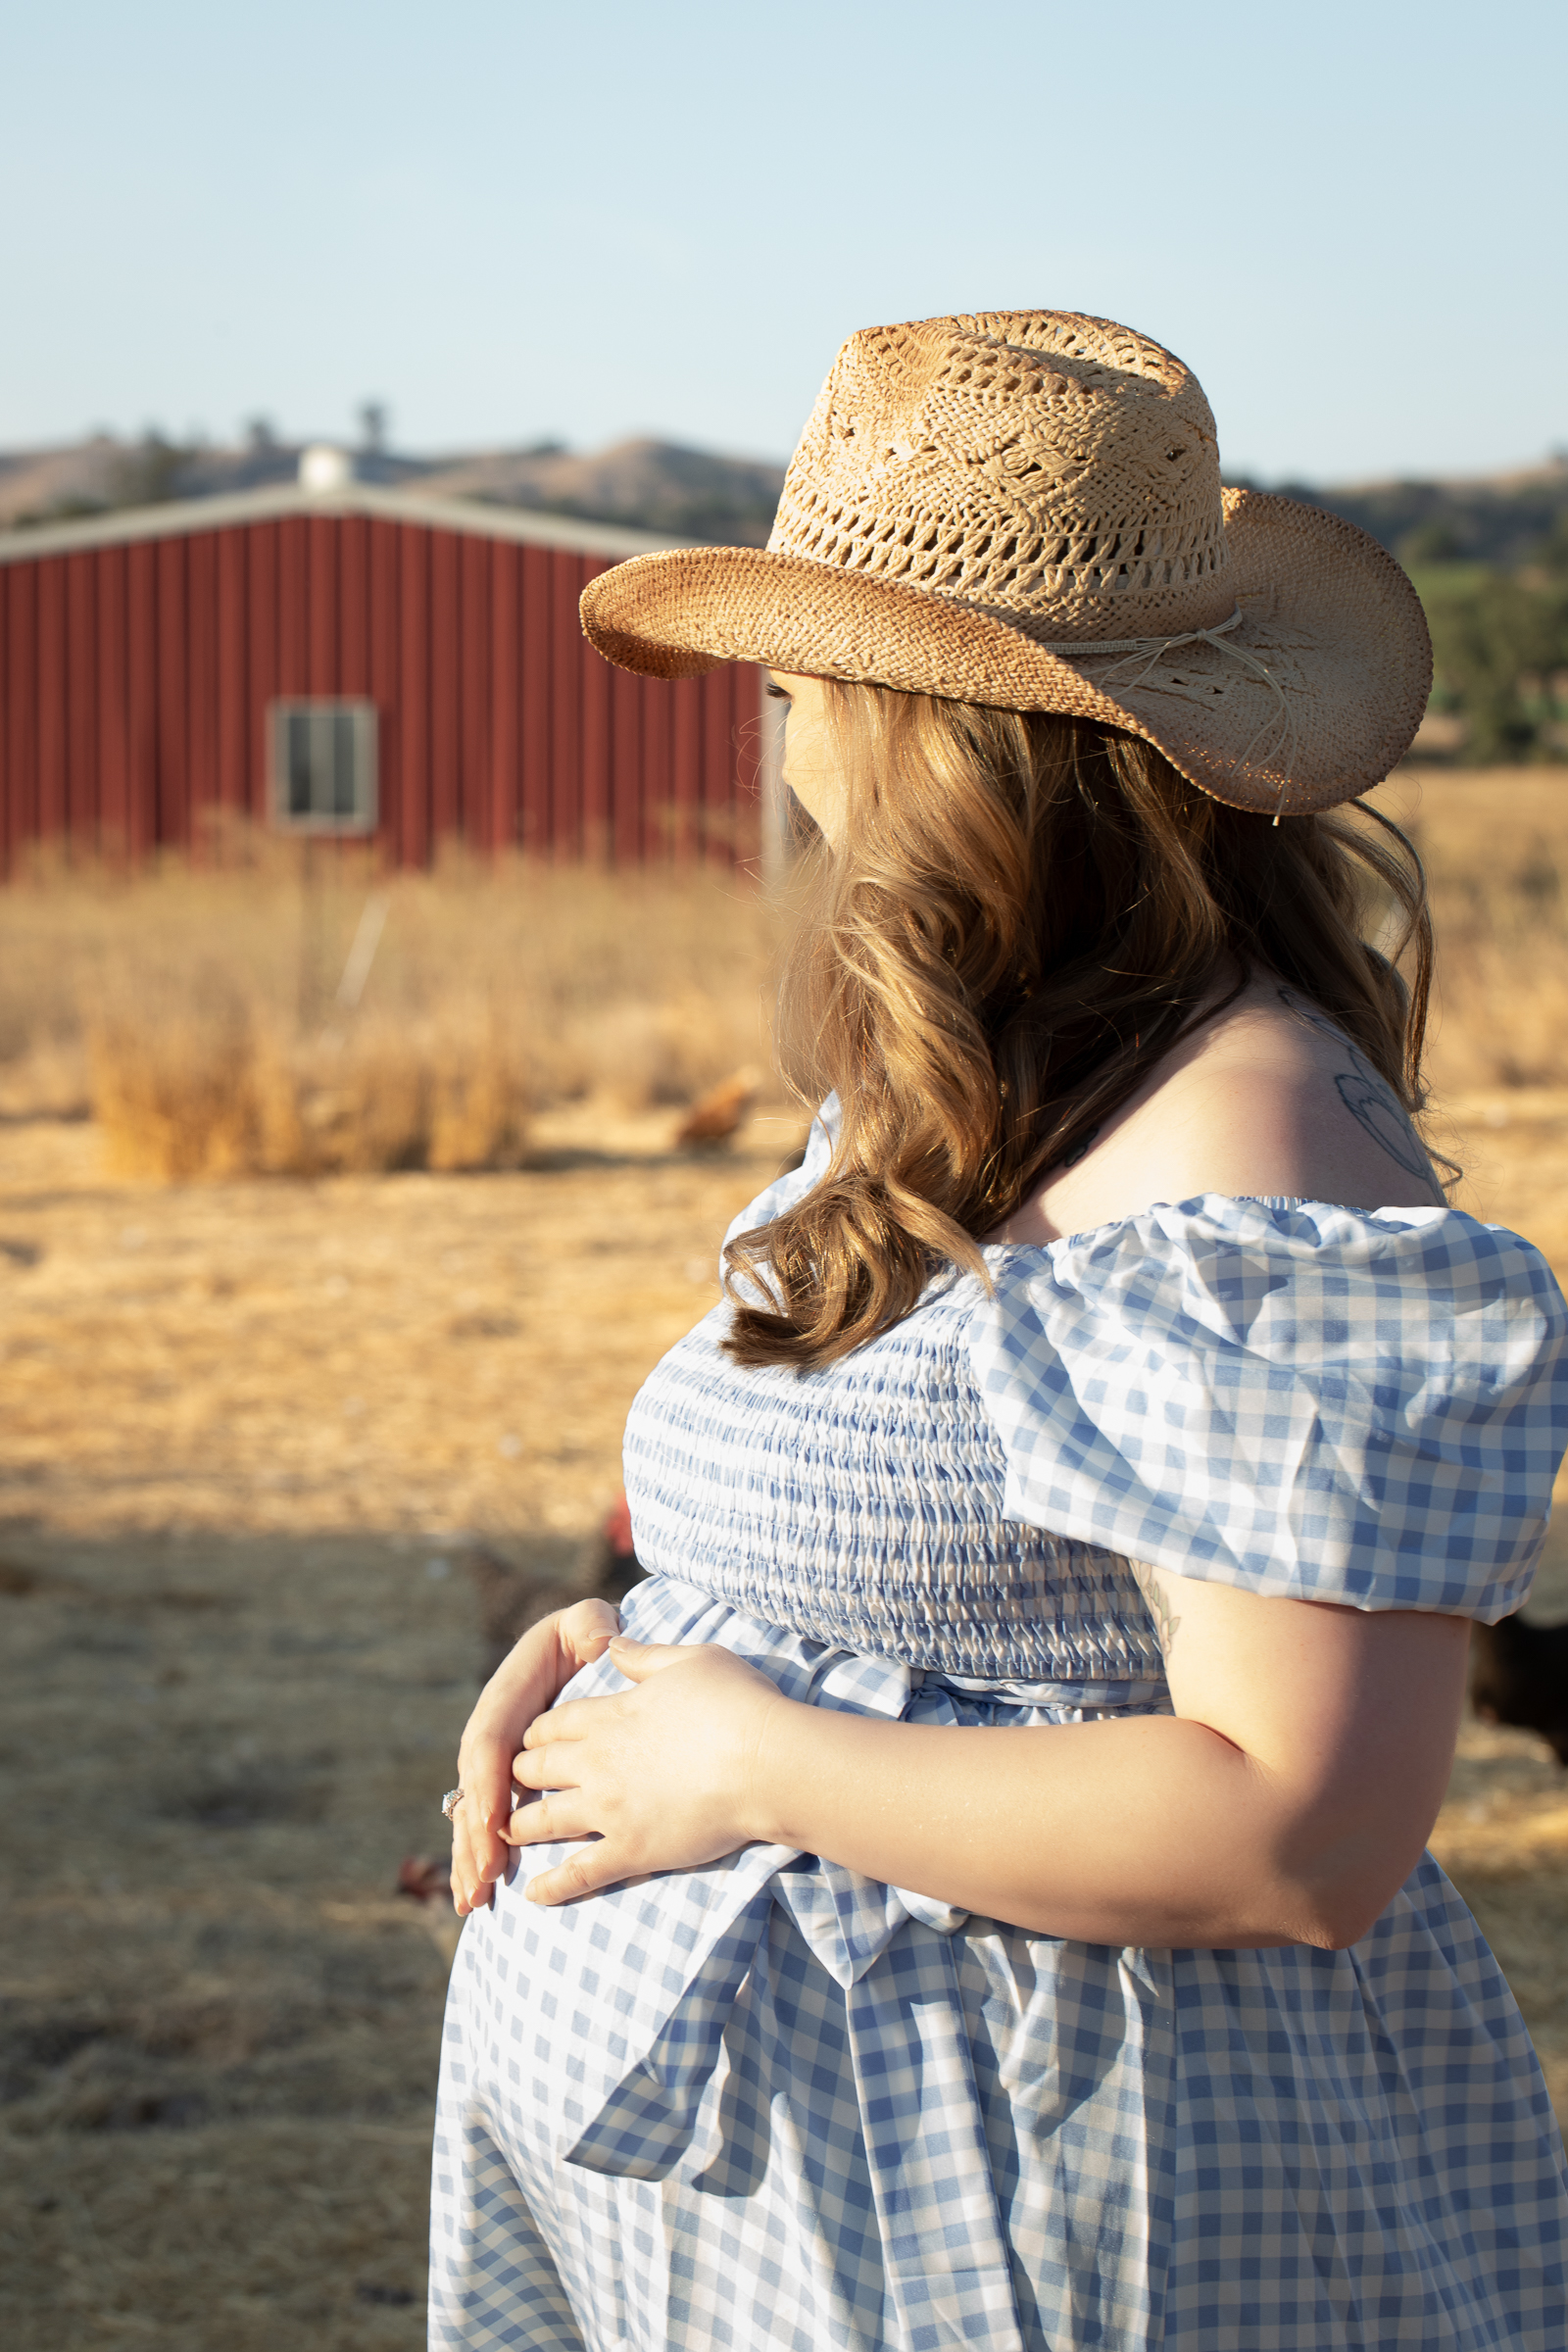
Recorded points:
(979, 1899)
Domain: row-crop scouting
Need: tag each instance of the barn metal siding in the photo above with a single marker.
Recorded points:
(135, 680)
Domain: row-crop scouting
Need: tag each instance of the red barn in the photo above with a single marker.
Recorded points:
(356, 661)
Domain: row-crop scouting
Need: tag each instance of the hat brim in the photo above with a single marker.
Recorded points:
(1310, 699)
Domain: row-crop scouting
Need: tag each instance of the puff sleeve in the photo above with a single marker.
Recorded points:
(1320, 1402)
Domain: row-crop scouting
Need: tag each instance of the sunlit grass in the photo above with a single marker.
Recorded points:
(222, 1022)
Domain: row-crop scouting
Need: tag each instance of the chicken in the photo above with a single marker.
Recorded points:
(511, 1600)
(427, 1882)
(714, 1116)
(424, 1877)
(614, 1566)
(1519, 1674)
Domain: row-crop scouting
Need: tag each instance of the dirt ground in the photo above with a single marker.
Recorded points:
(249, 1431)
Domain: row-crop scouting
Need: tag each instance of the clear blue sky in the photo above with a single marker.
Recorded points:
(510, 220)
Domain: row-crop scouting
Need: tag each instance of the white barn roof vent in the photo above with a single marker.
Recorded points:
(323, 466)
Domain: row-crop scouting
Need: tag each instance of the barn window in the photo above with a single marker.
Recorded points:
(324, 766)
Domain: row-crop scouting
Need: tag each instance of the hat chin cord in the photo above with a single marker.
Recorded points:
(1155, 647)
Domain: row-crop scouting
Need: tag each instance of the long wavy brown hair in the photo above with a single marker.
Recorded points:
(1021, 916)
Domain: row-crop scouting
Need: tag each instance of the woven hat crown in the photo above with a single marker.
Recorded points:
(1023, 509)
(1059, 470)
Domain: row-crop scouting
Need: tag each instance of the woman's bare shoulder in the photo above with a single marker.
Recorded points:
(1268, 1097)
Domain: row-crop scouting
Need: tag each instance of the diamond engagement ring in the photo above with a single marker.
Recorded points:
(451, 1799)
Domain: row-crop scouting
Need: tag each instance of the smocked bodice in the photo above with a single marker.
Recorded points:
(863, 1506)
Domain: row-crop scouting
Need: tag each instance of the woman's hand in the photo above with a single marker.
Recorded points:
(521, 1687)
(664, 1775)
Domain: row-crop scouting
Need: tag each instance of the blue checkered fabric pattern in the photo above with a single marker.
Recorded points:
(1298, 1399)
(771, 2102)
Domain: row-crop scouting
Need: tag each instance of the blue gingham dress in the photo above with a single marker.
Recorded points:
(771, 2102)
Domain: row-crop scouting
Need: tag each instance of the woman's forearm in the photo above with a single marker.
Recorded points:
(1286, 1801)
(1142, 1831)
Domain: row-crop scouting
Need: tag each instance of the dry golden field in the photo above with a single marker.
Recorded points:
(251, 1426)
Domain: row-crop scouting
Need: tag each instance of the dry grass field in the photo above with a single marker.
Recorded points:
(286, 1010)
(251, 1427)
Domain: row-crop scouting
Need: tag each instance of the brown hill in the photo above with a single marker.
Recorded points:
(1500, 518)
(654, 485)
(72, 479)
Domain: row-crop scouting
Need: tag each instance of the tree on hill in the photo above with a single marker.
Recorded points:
(1499, 645)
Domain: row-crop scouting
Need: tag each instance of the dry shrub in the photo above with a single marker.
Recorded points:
(184, 1099)
(199, 1011)
(207, 998)
(437, 1095)
(177, 1097)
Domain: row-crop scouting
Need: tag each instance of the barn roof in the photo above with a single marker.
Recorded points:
(177, 517)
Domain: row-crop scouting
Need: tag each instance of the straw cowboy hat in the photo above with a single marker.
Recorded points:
(1023, 508)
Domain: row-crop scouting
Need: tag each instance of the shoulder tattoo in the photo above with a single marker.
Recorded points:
(1158, 1603)
(1370, 1101)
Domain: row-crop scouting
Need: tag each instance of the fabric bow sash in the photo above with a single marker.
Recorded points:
(661, 1961)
